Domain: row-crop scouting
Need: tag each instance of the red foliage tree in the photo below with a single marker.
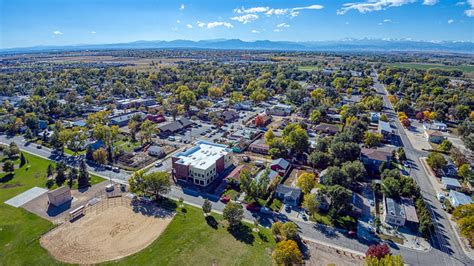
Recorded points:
(420, 116)
(259, 121)
(406, 122)
(378, 251)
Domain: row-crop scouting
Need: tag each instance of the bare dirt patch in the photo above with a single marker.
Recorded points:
(320, 255)
(109, 235)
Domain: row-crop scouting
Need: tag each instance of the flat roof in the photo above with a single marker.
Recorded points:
(203, 155)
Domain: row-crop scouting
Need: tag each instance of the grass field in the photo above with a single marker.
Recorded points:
(190, 240)
(463, 68)
(307, 68)
(19, 229)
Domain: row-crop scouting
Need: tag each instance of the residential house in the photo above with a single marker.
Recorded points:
(385, 130)
(373, 158)
(435, 126)
(326, 129)
(434, 136)
(175, 126)
(228, 116)
(279, 110)
(281, 166)
(259, 146)
(122, 120)
(450, 183)
(288, 195)
(457, 198)
(201, 164)
(393, 212)
(156, 151)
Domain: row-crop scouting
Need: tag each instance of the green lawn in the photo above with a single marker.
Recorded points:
(307, 68)
(188, 240)
(191, 240)
(19, 229)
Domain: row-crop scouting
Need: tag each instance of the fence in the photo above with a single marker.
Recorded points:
(107, 202)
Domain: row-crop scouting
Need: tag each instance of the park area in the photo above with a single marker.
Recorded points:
(104, 235)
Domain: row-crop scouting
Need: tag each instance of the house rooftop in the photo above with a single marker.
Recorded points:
(203, 155)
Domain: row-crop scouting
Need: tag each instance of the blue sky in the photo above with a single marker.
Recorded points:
(60, 22)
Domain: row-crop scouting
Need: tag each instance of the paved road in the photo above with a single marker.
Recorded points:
(44, 152)
(446, 248)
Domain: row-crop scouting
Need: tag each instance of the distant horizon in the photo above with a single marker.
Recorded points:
(30, 23)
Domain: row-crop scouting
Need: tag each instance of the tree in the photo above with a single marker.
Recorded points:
(233, 213)
(340, 197)
(387, 260)
(100, 156)
(436, 160)
(319, 159)
(83, 179)
(306, 182)
(465, 172)
(8, 166)
(446, 145)
(50, 170)
(287, 253)
(310, 203)
(269, 136)
(60, 173)
(206, 207)
(354, 171)
(13, 150)
(147, 130)
(372, 140)
(154, 184)
(22, 159)
(378, 251)
(73, 174)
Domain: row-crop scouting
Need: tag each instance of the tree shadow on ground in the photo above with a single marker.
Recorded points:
(211, 221)
(242, 233)
(7, 178)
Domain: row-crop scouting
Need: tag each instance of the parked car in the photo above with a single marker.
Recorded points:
(252, 207)
(225, 199)
(352, 233)
(266, 210)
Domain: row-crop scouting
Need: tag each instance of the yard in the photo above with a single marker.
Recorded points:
(188, 240)
(191, 240)
(20, 230)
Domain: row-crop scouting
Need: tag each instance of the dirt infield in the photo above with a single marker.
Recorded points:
(114, 233)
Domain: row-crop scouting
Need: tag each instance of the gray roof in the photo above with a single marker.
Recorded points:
(453, 182)
(281, 162)
(291, 192)
(394, 208)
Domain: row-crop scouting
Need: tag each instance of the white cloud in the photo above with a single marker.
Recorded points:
(245, 18)
(291, 12)
(283, 25)
(93, 32)
(181, 7)
(372, 5)
(314, 7)
(255, 31)
(450, 21)
(57, 33)
(178, 21)
(430, 2)
(215, 24)
(189, 26)
(470, 11)
(200, 24)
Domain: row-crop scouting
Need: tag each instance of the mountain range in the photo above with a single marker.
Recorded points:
(346, 45)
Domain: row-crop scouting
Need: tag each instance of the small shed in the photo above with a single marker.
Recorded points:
(59, 196)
